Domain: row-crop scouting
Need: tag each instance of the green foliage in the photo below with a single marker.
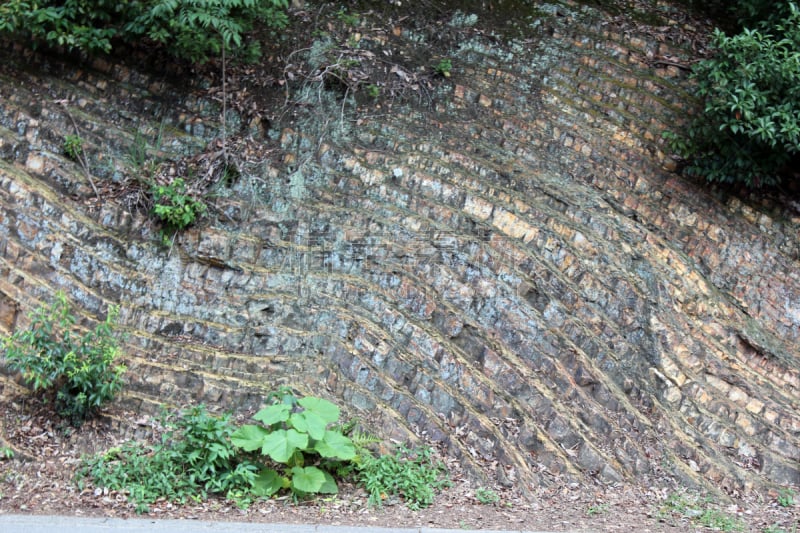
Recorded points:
(753, 12)
(190, 29)
(298, 445)
(82, 370)
(597, 509)
(348, 19)
(720, 521)
(410, 473)
(195, 458)
(198, 29)
(302, 443)
(73, 147)
(486, 496)
(74, 24)
(786, 497)
(139, 157)
(444, 67)
(6, 453)
(775, 528)
(697, 509)
(750, 127)
(360, 439)
(175, 207)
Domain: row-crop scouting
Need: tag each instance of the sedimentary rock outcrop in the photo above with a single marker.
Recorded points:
(515, 272)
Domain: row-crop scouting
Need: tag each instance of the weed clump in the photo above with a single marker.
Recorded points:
(411, 474)
(82, 369)
(298, 446)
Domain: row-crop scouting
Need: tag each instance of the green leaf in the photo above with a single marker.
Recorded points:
(273, 414)
(267, 483)
(309, 422)
(249, 437)
(329, 486)
(326, 410)
(308, 479)
(335, 445)
(281, 444)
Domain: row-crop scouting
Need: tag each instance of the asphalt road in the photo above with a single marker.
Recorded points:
(70, 524)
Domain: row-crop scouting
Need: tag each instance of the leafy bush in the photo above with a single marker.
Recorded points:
(750, 127)
(190, 29)
(197, 29)
(298, 446)
(87, 25)
(293, 434)
(175, 207)
(73, 147)
(195, 458)
(753, 12)
(410, 473)
(82, 370)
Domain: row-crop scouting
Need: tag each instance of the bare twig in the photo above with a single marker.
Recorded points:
(224, 107)
(80, 155)
(667, 63)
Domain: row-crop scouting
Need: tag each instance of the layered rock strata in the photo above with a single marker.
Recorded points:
(514, 273)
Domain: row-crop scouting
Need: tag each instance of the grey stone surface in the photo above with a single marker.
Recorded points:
(64, 524)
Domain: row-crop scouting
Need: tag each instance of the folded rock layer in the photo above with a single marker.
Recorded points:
(514, 273)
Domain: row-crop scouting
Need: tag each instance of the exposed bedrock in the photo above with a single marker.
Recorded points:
(514, 273)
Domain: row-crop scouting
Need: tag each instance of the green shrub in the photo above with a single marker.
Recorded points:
(750, 13)
(486, 496)
(190, 29)
(200, 454)
(195, 458)
(411, 474)
(443, 67)
(298, 445)
(87, 25)
(302, 443)
(786, 497)
(83, 370)
(175, 207)
(198, 29)
(73, 147)
(749, 130)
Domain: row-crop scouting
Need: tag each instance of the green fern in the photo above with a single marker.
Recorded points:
(362, 439)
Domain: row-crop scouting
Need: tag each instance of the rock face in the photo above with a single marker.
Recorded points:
(515, 273)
